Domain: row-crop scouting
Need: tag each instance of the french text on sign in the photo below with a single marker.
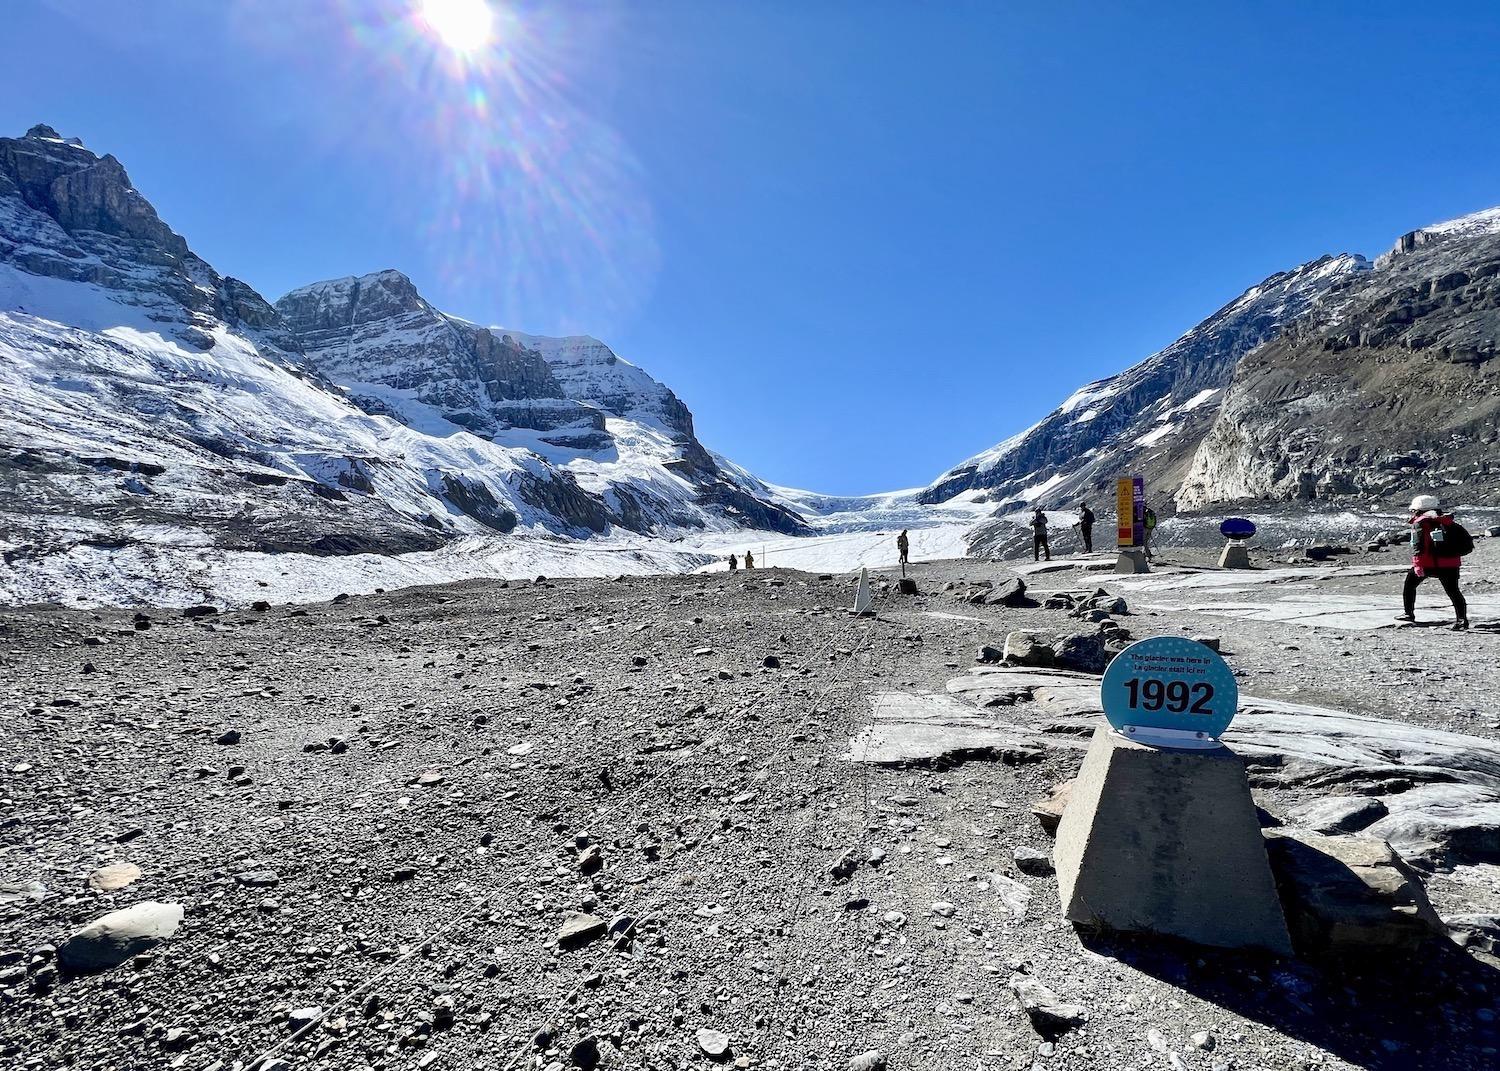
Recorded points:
(1170, 691)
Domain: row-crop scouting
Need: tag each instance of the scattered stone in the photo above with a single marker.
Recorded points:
(200, 611)
(989, 655)
(579, 929)
(1031, 861)
(228, 736)
(713, 1042)
(869, 1060)
(301, 1019)
(771, 662)
(1049, 1016)
(258, 879)
(114, 877)
(585, 1053)
(1049, 811)
(120, 935)
(591, 860)
(1203, 1041)
(1211, 642)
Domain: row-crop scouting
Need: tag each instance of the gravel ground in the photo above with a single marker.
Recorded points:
(427, 782)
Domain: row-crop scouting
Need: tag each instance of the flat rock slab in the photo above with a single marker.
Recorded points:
(1440, 789)
(919, 730)
(1292, 595)
(120, 935)
(1349, 895)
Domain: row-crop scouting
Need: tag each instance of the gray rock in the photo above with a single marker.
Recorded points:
(228, 736)
(989, 655)
(1349, 895)
(1475, 931)
(869, 1060)
(299, 1019)
(1029, 648)
(1049, 1016)
(1049, 811)
(1211, 642)
(1339, 814)
(259, 879)
(114, 938)
(114, 877)
(579, 929)
(712, 1042)
(1031, 861)
(1083, 651)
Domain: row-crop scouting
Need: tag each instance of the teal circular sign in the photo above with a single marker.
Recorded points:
(1170, 691)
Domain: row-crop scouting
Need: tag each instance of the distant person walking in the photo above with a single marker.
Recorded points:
(1039, 545)
(1086, 527)
(734, 563)
(749, 560)
(903, 545)
(1438, 545)
(1149, 525)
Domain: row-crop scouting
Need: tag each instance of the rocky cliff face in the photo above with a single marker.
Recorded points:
(68, 214)
(1149, 418)
(397, 354)
(1398, 394)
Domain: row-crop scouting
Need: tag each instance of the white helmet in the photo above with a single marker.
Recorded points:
(1423, 503)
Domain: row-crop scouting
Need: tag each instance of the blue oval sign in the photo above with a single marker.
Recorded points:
(1170, 692)
(1237, 528)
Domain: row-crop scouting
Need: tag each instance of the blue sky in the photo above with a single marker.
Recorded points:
(861, 240)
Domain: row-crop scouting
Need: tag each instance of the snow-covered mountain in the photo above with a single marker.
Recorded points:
(1149, 418)
(1342, 381)
(153, 402)
(1398, 394)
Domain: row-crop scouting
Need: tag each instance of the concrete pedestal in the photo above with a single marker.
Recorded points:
(1167, 842)
(1132, 560)
(1236, 556)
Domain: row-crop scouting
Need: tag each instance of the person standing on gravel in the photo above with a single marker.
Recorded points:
(734, 563)
(1438, 545)
(1148, 525)
(1039, 536)
(1086, 527)
(903, 546)
(749, 560)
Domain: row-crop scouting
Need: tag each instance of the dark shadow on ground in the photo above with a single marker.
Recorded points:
(1389, 1014)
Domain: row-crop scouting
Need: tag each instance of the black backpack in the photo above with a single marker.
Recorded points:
(1459, 541)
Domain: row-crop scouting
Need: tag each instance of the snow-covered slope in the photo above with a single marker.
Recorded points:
(625, 438)
(155, 404)
(1151, 416)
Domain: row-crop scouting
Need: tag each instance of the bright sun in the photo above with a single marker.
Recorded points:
(465, 26)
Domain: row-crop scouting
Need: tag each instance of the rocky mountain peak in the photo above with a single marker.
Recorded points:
(1149, 417)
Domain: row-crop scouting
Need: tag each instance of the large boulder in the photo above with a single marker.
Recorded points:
(120, 935)
(1349, 896)
(1085, 651)
(1026, 647)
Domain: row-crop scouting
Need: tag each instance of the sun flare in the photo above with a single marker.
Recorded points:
(465, 26)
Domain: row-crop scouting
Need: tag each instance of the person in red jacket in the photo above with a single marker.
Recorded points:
(1430, 557)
